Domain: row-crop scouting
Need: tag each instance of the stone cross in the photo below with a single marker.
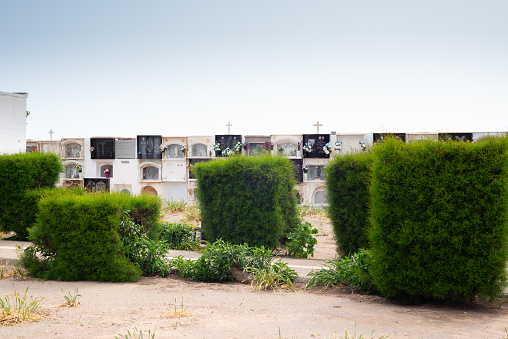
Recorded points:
(229, 127)
(317, 125)
(51, 134)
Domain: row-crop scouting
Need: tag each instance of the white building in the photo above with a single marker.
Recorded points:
(12, 122)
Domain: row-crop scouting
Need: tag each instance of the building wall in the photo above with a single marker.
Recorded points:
(12, 122)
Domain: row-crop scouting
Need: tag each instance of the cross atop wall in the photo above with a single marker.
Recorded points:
(317, 125)
(51, 134)
(229, 127)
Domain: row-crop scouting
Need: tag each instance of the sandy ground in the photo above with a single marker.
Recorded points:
(107, 310)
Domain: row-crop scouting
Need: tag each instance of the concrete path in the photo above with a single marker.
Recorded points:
(8, 253)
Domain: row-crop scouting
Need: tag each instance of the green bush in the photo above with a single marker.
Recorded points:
(76, 238)
(347, 181)
(247, 199)
(20, 173)
(179, 236)
(301, 242)
(147, 254)
(440, 219)
(218, 260)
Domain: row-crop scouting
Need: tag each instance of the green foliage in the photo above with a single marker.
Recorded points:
(179, 236)
(218, 260)
(313, 211)
(20, 173)
(347, 181)
(440, 219)
(276, 276)
(353, 270)
(18, 309)
(76, 238)
(301, 242)
(71, 299)
(147, 254)
(247, 199)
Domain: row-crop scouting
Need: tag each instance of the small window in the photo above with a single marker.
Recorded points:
(73, 151)
(320, 197)
(174, 151)
(150, 173)
(72, 171)
(105, 169)
(199, 150)
(316, 173)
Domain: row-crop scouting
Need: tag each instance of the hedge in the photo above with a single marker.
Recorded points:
(20, 173)
(440, 219)
(76, 238)
(247, 199)
(347, 181)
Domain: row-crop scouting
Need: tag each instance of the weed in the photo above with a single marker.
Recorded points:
(301, 242)
(276, 276)
(71, 300)
(174, 206)
(353, 270)
(176, 312)
(347, 335)
(136, 334)
(19, 309)
(313, 211)
(11, 271)
(193, 214)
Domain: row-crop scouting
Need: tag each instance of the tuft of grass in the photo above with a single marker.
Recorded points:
(193, 214)
(11, 271)
(277, 276)
(174, 206)
(136, 334)
(313, 211)
(347, 335)
(176, 312)
(71, 300)
(19, 309)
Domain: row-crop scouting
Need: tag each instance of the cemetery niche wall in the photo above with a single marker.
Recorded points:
(102, 148)
(225, 144)
(96, 185)
(465, 137)
(256, 144)
(379, 137)
(316, 146)
(149, 147)
(125, 148)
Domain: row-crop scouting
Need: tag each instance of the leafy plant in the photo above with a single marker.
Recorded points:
(179, 236)
(301, 242)
(136, 334)
(353, 270)
(19, 309)
(218, 260)
(276, 276)
(147, 254)
(71, 300)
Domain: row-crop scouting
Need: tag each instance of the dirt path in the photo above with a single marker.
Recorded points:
(107, 310)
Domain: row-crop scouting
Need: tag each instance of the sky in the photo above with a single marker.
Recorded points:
(180, 68)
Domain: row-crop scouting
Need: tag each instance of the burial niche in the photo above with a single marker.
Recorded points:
(199, 150)
(103, 171)
(73, 150)
(320, 197)
(150, 173)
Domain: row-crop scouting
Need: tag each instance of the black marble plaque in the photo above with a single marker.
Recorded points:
(104, 148)
(378, 137)
(297, 167)
(149, 147)
(125, 149)
(317, 141)
(193, 162)
(96, 184)
(228, 140)
(466, 137)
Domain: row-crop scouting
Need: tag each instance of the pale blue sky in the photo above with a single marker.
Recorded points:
(123, 68)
